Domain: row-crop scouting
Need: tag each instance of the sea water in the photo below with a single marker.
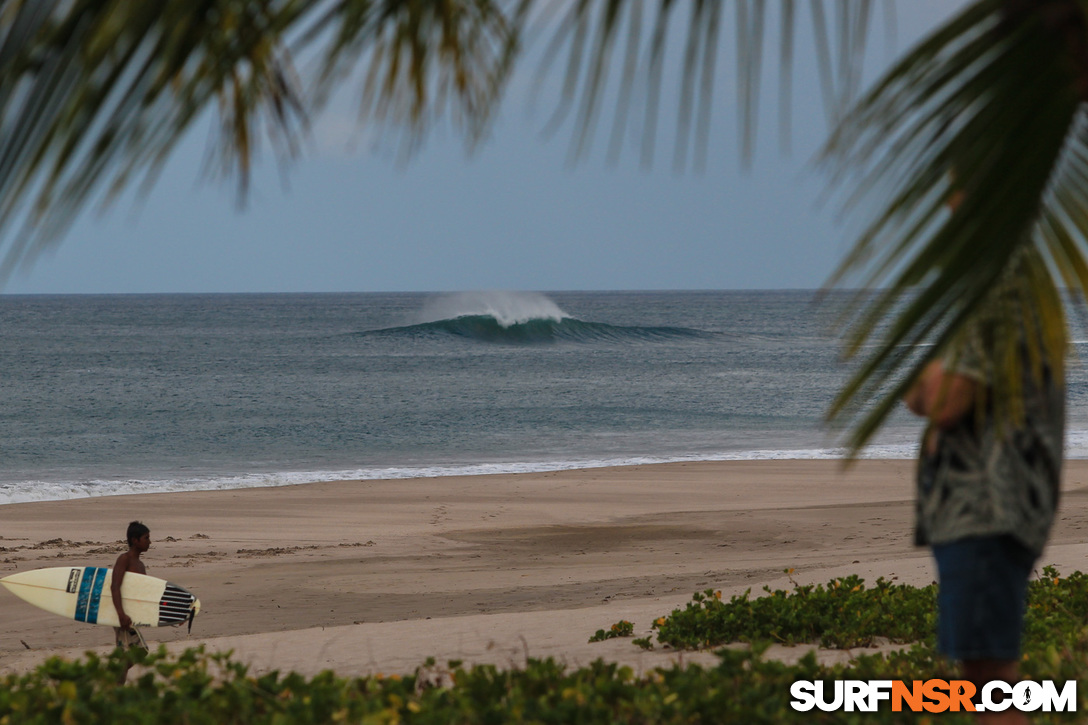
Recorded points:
(126, 393)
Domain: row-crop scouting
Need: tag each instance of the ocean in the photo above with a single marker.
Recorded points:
(130, 393)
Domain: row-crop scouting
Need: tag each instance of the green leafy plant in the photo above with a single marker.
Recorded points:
(622, 628)
(843, 614)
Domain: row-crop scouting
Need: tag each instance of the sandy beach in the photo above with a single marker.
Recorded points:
(369, 577)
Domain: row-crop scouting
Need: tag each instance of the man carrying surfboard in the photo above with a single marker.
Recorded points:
(82, 593)
(139, 541)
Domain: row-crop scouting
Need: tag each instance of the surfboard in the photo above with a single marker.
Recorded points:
(83, 594)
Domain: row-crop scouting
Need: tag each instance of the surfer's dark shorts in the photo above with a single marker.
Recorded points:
(982, 597)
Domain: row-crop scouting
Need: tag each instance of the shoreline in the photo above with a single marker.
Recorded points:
(375, 576)
(64, 490)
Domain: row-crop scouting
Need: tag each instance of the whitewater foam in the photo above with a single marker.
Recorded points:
(28, 491)
(507, 308)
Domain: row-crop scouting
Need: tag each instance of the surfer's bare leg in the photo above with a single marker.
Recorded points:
(121, 637)
(128, 639)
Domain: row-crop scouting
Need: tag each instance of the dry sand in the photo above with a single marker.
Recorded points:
(371, 577)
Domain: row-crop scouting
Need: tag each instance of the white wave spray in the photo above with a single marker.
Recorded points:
(507, 308)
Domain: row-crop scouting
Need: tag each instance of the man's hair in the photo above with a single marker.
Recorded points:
(136, 530)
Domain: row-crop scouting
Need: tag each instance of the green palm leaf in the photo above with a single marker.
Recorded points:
(96, 92)
(422, 59)
(593, 32)
(988, 105)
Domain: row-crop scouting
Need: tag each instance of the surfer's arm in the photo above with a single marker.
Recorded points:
(942, 397)
(119, 570)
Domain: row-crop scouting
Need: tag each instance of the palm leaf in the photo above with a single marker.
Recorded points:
(422, 60)
(96, 92)
(590, 34)
(987, 106)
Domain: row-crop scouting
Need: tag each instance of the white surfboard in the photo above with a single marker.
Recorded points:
(83, 594)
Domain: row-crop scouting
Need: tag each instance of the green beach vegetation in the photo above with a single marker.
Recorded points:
(745, 686)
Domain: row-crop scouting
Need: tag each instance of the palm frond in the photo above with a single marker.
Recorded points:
(590, 32)
(987, 106)
(94, 93)
(423, 60)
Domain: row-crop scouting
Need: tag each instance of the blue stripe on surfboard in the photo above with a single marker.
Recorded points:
(84, 595)
(90, 588)
(96, 595)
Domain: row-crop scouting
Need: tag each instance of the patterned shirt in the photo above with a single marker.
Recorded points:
(989, 479)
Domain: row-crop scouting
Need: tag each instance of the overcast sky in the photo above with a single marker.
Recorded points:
(514, 215)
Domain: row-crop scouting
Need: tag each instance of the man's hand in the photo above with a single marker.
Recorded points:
(942, 397)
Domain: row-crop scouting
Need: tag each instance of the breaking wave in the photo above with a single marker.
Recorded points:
(488, 329)
(522, 319)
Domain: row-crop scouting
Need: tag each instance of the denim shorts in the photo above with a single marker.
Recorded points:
(981, 597)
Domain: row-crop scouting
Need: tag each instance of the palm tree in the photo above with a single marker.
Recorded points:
(95, 94)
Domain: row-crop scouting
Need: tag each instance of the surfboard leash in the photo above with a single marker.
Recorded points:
(140, 637)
